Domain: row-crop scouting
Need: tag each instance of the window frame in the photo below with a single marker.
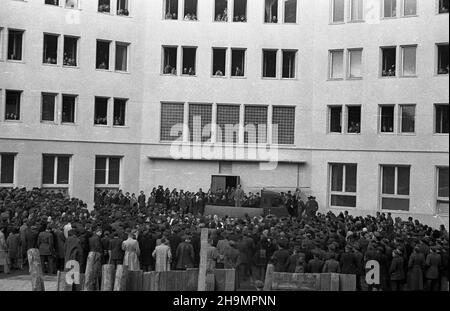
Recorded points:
(277, 16)
(20, 105)
(77, 54)
(9, 185)
(107, 185)
(436, 70)
(225, 74)
(125, 121)
(438, 198)
(402, 61)
(350, 11)
(57, 48)
(397, 6)
(55, 184)
(108, 103)
(127, 46)
(331, 21)
(283, 12)
(271, 122)
(295, 63)
(22, 55)
(163, 57)
(344, 178)
(395, 195)
(184, 12)
(394, 119)
(402, 12)
(55, 108)
(75, 104)
(195, 48)
(435, 123)
(246, 12)
(400, 121)
(329, 107)
(346, 119)
(244, 68)
(382, 48)
(331, 63)
(438, 6)
(349, 64)
(268, 50)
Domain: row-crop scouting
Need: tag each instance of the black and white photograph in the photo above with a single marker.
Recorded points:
(236, 148)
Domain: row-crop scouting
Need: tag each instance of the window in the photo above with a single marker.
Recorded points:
(119, 111)
(269, 63)
(52, 2)
(171, 9)
(441, 115)
(255, 122)
(395, 187)
(443, 6)
(189, 60)
(1, 43)
(221, 11)
(55, 170)
(338, 11)
(6, 168)
(190, 10)
(70, 51)
(357, 13)
(48, 107)
(15, 44)
(289, 64)
(355, 59)
(237, 62)
(343, 179)
(387, 119)
(200, 118)
(283, 125)
(390, 8)
(172, 121)
(442, 59)
(240, 11)
(228, 117)
(107, 171)
(104, 6)
(103, 54)
(408, 116)
(122, 7)
(121, 56)
(335, 119)
(353, 119)
(219, 62)
(68, 109)
(409, 61)
(170, 60)
(271, 11)
(388, 61)
(50, 55)
(336, 64)
(12, 108)
(101, 111)
(72, 4)
(442, 190)
(409, 7)
(290, 11)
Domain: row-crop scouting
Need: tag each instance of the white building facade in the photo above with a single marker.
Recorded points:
(350, 96)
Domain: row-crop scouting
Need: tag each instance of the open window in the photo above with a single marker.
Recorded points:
(389, 8)
(101, 111)
(104, 6)
(171, 9)
(335, 119)
(289, 64)
(388, 58)
(48, 107)
(444, 6)
(269, 63)
(189, 60)
(122, 8)
(354, 119)
(441, 112)
(221, 11)
(221, 183)
(170, 60)
(190, 10)
(70, 51)
(387, 118)
(219, 61)
(50, 50)
(68, 109)
(237, 62)
(103, 54)
(15, 44)
(119, 111)
(442, 63)
(72, 4)
(12, 109)
(442, 190)
(240, 11)
(271, 11)
(290, 11)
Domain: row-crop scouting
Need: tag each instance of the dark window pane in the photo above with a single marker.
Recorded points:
(237, 63)
(190, 10)
(350, 178)
(443, 182)
(219, 60)
(442, 115)
(68, 109)
(121, 57)
(354, 120)
(388, 180)
(100, 171)
(395, 204)
(171, 9)
(50, 49)
(271, 11)
(12, 109)
(7, 165)
(114, 171)
(48, 173)
(343, 200)
(337, 177)
(390, 8)
(403, 180)
(52, 2)
(119, 111)
(170, 60)
(102, 55)
(101, 111)
(389, 62)
(63, 171)
(443, 6)
(221, 11)
(335, 119)
(48, 107)
(290, 11)
(289, 64)
(70, 51)
(122, 7)
(240, 11)
(189, 61)
(270, 64)
(387, 119)
(15, 38)
(443, 59)
(104, 6)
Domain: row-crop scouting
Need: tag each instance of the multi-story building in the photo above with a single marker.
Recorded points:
(347, 99)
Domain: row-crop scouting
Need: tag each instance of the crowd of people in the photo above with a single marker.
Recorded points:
(159, 234)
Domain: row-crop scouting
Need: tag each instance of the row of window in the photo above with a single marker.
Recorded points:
(274, 11)
(394, 193)
(396, 119)
(395, 187)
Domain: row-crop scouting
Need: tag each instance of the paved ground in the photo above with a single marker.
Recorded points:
(21, 281)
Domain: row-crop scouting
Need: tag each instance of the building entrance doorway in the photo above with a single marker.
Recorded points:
(223, 182)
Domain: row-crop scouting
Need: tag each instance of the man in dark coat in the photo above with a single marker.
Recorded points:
(46, 250)
(31, 235)
(141, 200)
(315, 265)
(185, 257)
(59, 240)
(396, 271)
(433, 264)
(311, 206)
(147, 244)
(72, 248)
(280, 258)
(117, 253)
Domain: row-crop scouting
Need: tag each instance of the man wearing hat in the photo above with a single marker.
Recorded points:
(311, 206)
(433, 263)
(396, 270)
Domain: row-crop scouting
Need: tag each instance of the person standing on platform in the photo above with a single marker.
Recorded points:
(238, 196)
